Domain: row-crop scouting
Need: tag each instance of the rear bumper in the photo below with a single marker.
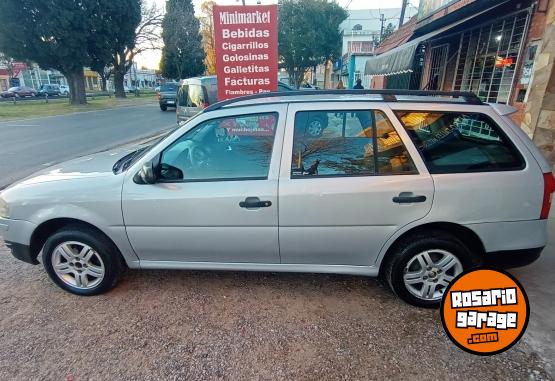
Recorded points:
(22, 252)
(513, 258)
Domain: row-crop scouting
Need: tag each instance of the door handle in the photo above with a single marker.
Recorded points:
(409, 198)
(254, 203)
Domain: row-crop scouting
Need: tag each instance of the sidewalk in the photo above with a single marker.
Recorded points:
(538, 280)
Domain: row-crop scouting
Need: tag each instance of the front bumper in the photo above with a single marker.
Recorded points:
(513, 258)
(17, 236)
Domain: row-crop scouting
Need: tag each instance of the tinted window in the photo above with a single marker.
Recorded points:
(169, 87)
(182, 95)
(455, 142)
(341, 143)
(231, 148)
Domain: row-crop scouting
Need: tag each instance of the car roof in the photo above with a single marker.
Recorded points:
(412, 96)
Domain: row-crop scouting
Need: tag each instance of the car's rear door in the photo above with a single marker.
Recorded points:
(342, 194)
(223, 208)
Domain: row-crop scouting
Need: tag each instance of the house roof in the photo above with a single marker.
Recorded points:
(398, 38)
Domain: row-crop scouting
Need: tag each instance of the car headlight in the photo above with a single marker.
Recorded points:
(4, 209)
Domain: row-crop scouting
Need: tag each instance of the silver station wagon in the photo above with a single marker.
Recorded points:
(414, 187)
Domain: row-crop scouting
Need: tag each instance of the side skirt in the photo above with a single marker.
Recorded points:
(371, 271)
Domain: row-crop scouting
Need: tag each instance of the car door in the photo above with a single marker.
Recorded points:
(343, 193)
(215, 199)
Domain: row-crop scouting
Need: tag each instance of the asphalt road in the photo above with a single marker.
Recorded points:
(29, 145)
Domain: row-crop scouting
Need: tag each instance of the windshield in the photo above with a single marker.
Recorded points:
(13, 88)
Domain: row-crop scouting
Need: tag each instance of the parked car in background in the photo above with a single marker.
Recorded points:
(167, 96)
(195, 94)
(52, 90)
(19, 92)
(414, 187)
(64, 90)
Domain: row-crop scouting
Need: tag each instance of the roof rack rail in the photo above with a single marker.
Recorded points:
(387, 95)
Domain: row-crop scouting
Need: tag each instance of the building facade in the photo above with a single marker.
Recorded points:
(488, 47)
(361, 32)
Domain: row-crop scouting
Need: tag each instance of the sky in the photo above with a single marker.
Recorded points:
(151, 59)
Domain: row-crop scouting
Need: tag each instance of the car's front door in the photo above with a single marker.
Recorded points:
(343, 193)
(215, 199)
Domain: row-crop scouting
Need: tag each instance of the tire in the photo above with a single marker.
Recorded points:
(82, 276)
(163, 107)
(420, 281)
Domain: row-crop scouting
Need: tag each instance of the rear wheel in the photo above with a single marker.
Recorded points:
(421, 266)
(81, 261)
(163, 107)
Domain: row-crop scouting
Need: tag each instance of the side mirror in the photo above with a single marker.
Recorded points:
(146, 175)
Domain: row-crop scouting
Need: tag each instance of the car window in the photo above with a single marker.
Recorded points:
(196, 96)
(452, 142)
(347, 143)
(169, 87)
(182, 95)
(232, 148)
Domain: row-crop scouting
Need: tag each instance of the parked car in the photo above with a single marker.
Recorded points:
(412, 187)
(64, 90)
(53, 90)
(194, 95)
(167, 96)
(19, 92)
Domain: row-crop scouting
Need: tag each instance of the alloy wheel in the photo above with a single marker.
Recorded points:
(427, 274)
(78, 265)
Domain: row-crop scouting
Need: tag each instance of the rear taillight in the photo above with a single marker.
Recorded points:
(548, 189)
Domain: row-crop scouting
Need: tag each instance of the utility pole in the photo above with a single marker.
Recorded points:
(403, 10)
(382, 19)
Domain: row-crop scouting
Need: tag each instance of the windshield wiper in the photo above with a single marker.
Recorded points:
(122, 164)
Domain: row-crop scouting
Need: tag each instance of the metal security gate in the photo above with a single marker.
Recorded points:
(489, 56)
(438, 65)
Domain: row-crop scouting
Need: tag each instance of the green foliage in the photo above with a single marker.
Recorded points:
(308, 34)
(182, 55)
(67, 34)
(52, 33)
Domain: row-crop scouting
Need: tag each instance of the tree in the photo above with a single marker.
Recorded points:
(53, 34)
(182, 55)
(126, 19)
(144, 33)
(308, 35)
(207, 32)
(388, 31)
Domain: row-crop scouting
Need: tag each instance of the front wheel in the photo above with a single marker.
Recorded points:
(81, 261)
(421, 267)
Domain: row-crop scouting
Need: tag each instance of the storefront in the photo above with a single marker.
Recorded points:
(486, 51)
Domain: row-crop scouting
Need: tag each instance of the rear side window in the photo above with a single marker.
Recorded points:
(452, 142)
(347, 143)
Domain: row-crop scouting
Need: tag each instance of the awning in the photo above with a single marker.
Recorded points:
(400, 60)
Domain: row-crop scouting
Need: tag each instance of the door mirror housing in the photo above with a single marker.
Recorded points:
(147, 174)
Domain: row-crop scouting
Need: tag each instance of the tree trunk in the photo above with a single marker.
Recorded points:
(76, 82)
(118, 83)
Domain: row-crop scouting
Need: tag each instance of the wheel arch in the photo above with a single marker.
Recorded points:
(49, 227)
(466, 235)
